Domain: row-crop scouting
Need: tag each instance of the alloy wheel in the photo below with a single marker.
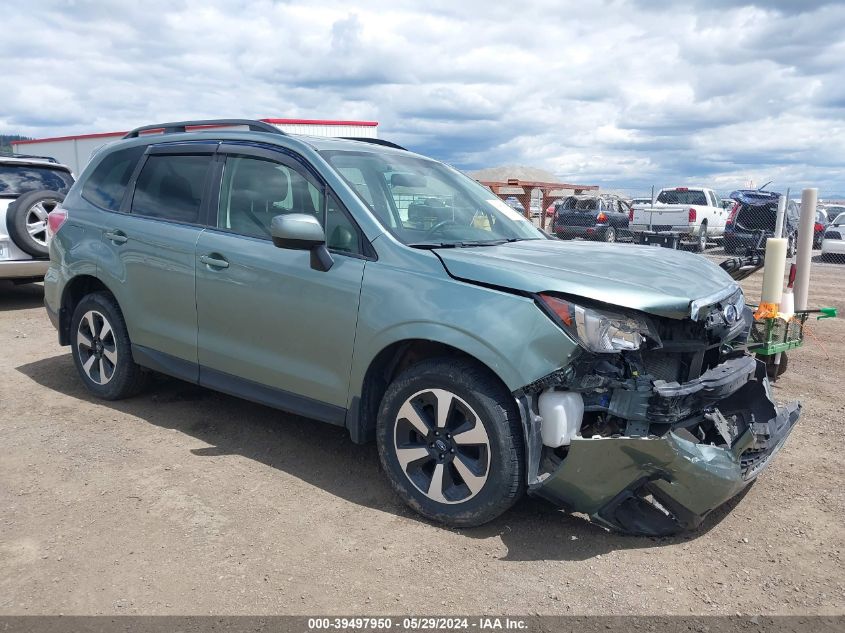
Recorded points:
(36, 220)
(97, 347)
(442, 446)
(610, 235)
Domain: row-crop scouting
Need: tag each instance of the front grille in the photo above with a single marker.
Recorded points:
(663, 366)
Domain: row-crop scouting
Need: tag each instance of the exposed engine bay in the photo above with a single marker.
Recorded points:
(693, 389)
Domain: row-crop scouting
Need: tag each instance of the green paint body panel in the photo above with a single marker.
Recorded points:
(272, 319)
(595, 470)
(655, 280)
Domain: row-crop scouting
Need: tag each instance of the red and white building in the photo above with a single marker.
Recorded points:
(76, 151)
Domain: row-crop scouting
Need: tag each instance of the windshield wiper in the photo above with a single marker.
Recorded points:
(499, 242)
(430, 245)
(459, 244)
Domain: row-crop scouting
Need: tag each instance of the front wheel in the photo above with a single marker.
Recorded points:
(450, 441)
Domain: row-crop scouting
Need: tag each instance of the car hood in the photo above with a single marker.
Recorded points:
(651, 279)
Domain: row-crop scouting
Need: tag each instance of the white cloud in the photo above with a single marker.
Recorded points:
(624, 93)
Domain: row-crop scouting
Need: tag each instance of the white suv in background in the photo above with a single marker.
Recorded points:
(30, 187)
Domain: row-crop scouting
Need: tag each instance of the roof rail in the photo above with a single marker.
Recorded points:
(16, 155)
(374, 141)
(182, 126)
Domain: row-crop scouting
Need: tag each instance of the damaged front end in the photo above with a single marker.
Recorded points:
(655, 436)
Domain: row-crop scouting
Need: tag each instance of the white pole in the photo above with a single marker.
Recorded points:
(809, 200)
(779, 220)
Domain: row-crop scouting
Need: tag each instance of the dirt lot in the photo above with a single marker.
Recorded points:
(184, 501)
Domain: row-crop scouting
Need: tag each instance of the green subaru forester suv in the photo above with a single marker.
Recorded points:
(363, 285)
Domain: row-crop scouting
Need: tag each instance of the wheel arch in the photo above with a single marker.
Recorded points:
(389, 362)
(74, 291)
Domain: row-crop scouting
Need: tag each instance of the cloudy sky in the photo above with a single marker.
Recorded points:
(622, 93)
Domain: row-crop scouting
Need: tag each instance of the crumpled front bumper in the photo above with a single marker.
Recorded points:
(617, 480)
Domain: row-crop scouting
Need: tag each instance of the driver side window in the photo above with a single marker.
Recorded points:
(255, 190)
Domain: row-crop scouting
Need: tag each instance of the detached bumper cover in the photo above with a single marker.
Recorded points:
(661, 485)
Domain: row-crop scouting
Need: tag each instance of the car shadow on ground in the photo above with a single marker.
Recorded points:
(20, 297)
(324, 456)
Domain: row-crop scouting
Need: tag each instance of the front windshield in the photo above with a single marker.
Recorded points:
(427, 204)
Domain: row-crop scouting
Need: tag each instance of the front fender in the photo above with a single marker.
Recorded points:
(505, 331)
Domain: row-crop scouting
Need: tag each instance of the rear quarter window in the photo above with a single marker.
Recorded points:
(106, 185)
(170, 187)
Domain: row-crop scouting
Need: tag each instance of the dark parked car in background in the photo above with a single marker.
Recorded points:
(752, 221)
(592, 217)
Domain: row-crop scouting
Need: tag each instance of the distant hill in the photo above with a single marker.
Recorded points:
(6, 141)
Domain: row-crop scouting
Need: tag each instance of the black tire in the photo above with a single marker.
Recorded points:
(610, 235)
(701, 244)
(494, 408)
(32, 205)
(126, 377)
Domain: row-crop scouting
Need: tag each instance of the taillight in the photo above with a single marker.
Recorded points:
(631, 215)
(55, 219)
(819, 228)
(601, 218)
(732, 216)
(692, 215)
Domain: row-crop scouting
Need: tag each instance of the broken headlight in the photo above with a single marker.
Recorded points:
(599, 331)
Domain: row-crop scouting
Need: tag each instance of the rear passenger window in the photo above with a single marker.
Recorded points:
(170, 187)
(107, 183)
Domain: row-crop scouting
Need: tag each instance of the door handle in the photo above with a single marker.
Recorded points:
(118, 237)
(214, 261)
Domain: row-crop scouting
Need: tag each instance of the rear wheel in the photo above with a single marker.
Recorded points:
(450, 441)
(610, 234)
(102, 351)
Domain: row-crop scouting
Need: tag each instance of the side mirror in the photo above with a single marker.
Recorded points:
(302, 232)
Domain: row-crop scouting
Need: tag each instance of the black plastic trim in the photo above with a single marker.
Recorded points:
(176, 127)
(272, 397)
(374, 141)
(165, 363)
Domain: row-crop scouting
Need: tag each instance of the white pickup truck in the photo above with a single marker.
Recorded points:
(690, 215)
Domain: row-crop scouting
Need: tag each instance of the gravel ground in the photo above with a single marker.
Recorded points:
(185, 501)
